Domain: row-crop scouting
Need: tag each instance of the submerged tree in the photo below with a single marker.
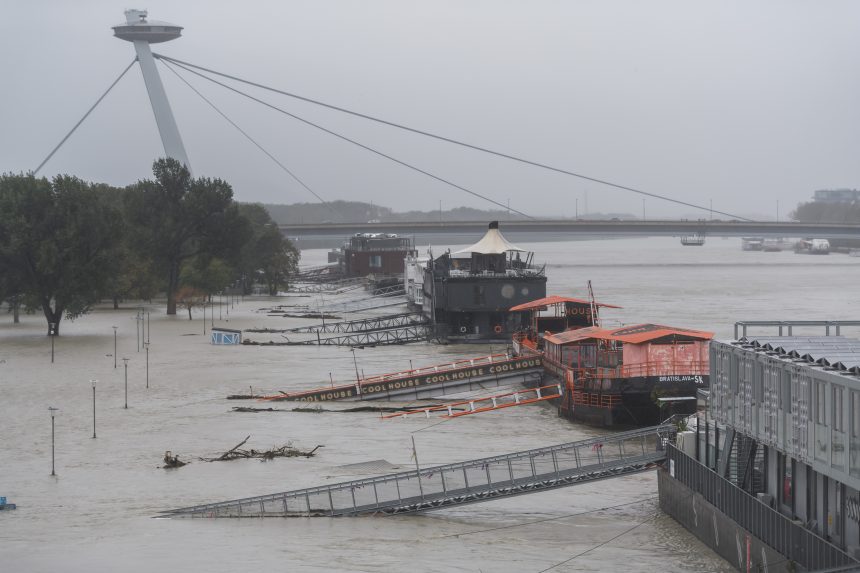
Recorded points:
(177, 218)
(56, 240)
(268, 256)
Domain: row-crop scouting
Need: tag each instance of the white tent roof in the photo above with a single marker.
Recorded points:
(493, 243)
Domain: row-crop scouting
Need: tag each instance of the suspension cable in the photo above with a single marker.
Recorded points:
(343, 137)
(243, 132)
(86, 115)
(457, 142)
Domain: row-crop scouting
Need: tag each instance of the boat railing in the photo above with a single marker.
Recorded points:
(655, 368)
(456, 365)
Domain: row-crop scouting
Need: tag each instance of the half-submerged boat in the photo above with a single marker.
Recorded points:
(467, 295)
(633, 375)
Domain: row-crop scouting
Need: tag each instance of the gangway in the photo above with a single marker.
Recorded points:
(365, 324)
(333, 287)
(460, 483)
(400, 335)
(393, 295)
(430, 381)
(486, 404)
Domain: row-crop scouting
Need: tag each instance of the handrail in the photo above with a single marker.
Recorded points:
(597, 444)
(405, 374)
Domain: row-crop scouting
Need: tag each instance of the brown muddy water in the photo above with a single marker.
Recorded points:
(97, 513)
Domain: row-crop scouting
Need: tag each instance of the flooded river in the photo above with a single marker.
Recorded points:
(96, 514)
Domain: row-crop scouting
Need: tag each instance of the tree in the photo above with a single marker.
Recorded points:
(206, 274)
(56, 239)
(281, 260)
(177, 218)
(188, 297)
(268, 256)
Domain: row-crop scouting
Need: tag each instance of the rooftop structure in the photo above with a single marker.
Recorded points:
(837, 195)
(142, 32)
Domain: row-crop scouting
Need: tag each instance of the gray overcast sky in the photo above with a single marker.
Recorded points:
(743, 103)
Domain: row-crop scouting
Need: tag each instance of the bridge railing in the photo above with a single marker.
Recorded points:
(449, 481)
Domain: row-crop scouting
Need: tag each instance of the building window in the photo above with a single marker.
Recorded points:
(855, 414)
(837, 409)
(786, 390)
(820, 404)
(479, 294)
(375, 261)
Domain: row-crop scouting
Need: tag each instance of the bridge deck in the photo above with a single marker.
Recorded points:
(459, 483)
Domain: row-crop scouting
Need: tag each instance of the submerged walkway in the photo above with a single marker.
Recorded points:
(460, 483)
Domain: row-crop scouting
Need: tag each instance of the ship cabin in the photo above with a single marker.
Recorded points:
(630, 351)
(634, 374)
(555, 314)
(378, 254)
(467, 294)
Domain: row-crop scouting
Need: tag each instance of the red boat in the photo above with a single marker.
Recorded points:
(632, 375)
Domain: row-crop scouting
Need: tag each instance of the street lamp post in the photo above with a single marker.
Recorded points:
(52, 331)
(355, 363)
(51, 409)
(114, 345)
(148, 331)
(137, 319)
(146, 345)
(125, 362)
(204, 318)
(93, 382)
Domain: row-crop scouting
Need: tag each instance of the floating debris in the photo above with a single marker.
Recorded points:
(171, 461)
(285, 451)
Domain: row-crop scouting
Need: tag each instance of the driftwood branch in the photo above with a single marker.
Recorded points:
(285, 451)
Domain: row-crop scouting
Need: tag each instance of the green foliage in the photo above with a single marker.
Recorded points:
(176, 218)
(819, 212)
(206, 274)
(56, 242)
(268, 256)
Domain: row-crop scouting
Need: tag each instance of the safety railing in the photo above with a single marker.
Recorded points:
(440, 368)
(459, 483)
(787, 537)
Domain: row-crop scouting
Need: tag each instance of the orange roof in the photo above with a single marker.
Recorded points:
(550, 300)
(576, 335)
(634, 334)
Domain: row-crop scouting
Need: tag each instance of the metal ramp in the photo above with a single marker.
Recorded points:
(359, 305)
(400, 328)
(401, 335)
(333, 287)
(486, 404)
(461, 483)
(430, 381)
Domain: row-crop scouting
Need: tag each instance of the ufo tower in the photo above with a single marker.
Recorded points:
(142, 33)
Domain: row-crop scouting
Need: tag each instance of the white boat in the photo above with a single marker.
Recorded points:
(694, 240)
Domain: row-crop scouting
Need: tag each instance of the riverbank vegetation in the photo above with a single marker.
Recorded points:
(66, 244)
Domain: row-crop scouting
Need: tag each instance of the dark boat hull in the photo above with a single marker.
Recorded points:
(635, 401)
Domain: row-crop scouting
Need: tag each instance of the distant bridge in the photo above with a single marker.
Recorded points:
(584, 227)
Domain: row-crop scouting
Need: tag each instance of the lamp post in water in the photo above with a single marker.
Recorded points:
(93, 382)
(146, 345)
(114, 346)
(51, 409)
(52, 332)
(125, 361)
